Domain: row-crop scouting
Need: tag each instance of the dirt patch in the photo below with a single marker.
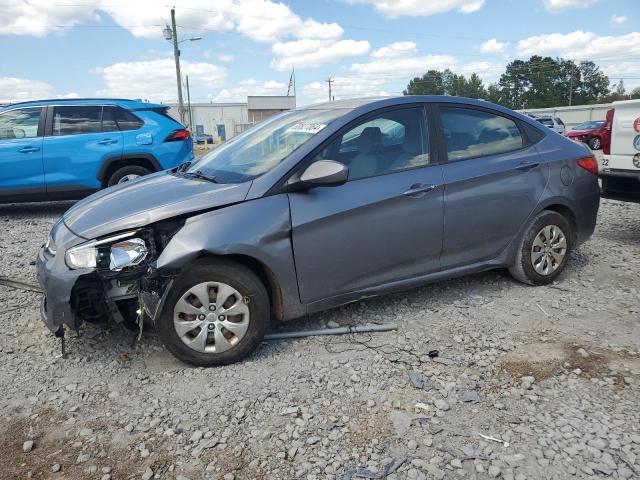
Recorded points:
(51, 446)
(544, 360)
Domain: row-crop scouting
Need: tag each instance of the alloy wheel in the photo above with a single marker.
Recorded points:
(211, 317)
(548, 250)
(128, 178)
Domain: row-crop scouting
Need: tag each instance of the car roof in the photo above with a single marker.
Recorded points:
(372, 103)
(122, 102)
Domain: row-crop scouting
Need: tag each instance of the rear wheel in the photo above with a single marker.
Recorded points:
(215, 314)
(126, 174)
(595, 143)
(544, 250)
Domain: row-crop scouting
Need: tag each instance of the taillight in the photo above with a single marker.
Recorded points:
(606, 135)
(590, 164)
(177, 135)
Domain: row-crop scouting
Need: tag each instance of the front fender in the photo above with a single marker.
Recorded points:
(260, 229)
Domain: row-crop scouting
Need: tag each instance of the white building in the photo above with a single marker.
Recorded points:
(229, 119)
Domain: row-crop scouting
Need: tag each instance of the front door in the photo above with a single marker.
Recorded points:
(385, 223)
(21, 170)
(493, 180)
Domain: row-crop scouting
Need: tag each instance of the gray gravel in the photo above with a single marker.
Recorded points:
(529, 382)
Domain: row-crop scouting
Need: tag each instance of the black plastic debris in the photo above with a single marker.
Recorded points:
(433, 353)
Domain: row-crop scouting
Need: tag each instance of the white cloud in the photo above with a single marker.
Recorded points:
(244, 88)
(39, 18)
(18, 89)
(421, 8)
(21, 89)
(223, 57)
(156, 79)
(618, 20)
(344, 87)
(313, 53)
(403, 66)
(394, 50)
(493, 46)
(260, 20)
(559, 5)
(580, 45)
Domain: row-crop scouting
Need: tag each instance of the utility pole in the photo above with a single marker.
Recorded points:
(330, 82)
(189, 106)
(176, 54)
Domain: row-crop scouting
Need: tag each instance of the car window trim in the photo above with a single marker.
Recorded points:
(280, 186)
(526, 141)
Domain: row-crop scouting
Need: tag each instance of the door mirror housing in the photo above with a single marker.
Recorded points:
(321, 173)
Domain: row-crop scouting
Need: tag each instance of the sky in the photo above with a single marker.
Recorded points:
(115, 48)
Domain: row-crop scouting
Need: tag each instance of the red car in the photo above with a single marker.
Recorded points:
(594, 133)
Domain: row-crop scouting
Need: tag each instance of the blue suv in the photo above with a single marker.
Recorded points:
(67, 149)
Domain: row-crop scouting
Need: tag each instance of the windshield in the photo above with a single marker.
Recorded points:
(588, 125)
(264, 146)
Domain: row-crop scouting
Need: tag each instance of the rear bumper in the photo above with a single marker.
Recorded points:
(619, 173)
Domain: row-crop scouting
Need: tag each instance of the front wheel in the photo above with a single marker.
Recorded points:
(216, 313)
(544, 250)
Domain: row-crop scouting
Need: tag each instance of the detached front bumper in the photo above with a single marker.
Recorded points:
(57, 281)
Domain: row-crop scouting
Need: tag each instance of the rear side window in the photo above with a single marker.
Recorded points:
(117, 118)
(73, 120)
(19, 123)
(473, 133)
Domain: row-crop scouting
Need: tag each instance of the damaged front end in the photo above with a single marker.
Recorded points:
(107, 280)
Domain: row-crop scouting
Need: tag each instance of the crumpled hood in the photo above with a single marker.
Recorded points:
(148, 200)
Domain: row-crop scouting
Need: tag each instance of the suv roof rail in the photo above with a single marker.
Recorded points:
(72, 100)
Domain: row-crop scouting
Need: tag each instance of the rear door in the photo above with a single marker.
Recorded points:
(76, 145)
(493, 181)
(385, 223)
(21, 169)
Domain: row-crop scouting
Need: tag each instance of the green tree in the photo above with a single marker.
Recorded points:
(431, 83)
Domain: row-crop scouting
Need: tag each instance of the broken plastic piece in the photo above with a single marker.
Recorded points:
(433, 353)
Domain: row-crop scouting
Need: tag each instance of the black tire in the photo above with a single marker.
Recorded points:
(124, 171)
(523, 268)
(595, 143)
(240, 278)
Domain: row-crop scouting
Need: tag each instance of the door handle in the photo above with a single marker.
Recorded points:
(418, 190)
(107, 141)
(29, 149)
(526, 165)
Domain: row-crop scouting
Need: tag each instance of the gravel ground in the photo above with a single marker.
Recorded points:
(528, 382)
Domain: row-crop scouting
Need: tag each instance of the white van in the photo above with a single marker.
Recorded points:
(620, 164)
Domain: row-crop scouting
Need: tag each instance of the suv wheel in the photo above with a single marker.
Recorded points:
(595, 143)
(544, 250)
(215, 314)
(126, 174)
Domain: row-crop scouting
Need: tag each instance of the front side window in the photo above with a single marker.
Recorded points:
(264, 146)
(392, 141)
(19, 123)
(73, 120)
(473, 133)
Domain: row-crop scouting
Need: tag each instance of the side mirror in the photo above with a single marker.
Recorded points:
(322, 173)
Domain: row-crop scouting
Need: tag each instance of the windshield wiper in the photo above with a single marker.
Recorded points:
(182, 167)
(200, 175)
